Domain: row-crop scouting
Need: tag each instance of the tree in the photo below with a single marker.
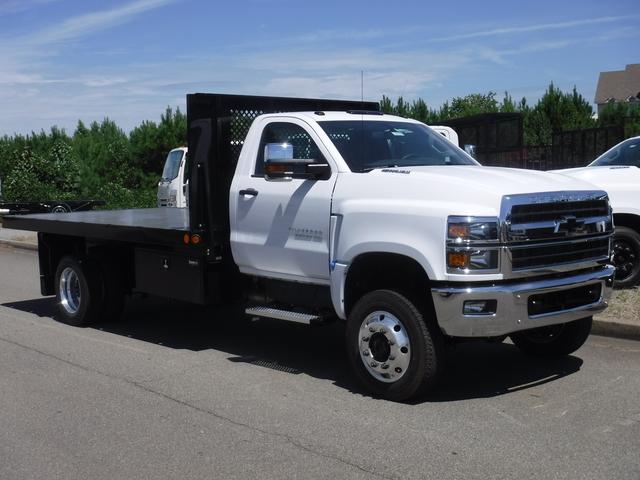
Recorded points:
(150, 142)
(624, 115)
(508, 105)
(557, 111)
(29, 178)
(419, 110)
(385, 105)
(473, 104)
(103, 155)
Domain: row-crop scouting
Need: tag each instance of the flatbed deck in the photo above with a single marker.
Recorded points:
(151, 226)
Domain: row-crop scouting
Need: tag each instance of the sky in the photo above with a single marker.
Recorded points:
(67, 60)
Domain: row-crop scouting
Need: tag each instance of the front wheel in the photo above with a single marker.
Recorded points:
(392, 350)
(554, 340)
(626, 257)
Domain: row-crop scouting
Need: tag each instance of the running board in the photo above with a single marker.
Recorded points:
(296, 317)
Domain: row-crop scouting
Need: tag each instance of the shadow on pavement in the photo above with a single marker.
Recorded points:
(474, 369)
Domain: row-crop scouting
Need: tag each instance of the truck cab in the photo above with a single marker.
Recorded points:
(447, 132)
(172, 187)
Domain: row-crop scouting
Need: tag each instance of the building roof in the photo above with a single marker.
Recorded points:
(619, 85)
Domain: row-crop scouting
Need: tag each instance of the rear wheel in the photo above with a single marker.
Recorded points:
(626, 257)
(392, 350)
(60, 208)
(554, 340)
(78, 287)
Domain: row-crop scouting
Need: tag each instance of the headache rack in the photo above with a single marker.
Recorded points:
(218, 125)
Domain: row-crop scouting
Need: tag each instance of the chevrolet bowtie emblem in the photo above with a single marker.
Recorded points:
(568, 224)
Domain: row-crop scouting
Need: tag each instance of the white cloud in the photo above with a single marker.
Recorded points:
(8, 7)
(535, 28)
(89, 23)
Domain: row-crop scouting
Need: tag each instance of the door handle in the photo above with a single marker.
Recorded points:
(249, 191)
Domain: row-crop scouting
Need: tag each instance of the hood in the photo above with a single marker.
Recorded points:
(499, 180)
(461, 190)
(601, 175)
(622, 183)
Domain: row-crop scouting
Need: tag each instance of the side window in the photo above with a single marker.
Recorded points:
(304, 148)
(632, 154)
(186, 170)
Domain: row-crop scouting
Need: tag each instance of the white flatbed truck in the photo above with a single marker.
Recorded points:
(311, 210)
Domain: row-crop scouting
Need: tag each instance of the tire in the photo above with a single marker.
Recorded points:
(78, 287)
(60, 208)
(626, 257)
(554, 340)
(379, 328)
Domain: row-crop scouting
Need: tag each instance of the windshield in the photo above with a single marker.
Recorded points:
(172, 165)
(625, 153)
(366, 145)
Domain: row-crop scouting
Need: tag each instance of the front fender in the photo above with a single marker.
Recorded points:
(400, 235)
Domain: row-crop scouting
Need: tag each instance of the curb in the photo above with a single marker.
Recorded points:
(616, 330)
(21, 245)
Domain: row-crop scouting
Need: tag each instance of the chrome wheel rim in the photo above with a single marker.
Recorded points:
(384, 346)
(70, 290)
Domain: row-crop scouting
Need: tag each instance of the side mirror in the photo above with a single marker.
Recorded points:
(471, 150)
(279, 163)
(278, 151)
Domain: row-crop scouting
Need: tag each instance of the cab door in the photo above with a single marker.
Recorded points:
(280, 227)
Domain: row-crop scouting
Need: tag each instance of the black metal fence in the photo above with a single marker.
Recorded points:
(498, 138)
(577, 148)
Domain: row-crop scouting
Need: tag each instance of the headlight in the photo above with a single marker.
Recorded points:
(473, 245)
(471, 229)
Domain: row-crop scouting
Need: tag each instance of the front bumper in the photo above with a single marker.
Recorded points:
(513, 306)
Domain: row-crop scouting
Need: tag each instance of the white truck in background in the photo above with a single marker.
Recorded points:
(172, 187)
(617, 171)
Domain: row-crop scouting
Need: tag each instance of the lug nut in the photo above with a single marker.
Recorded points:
(372, 330)
(365, 339)
(398, 370)
(365, 353)
(373, 364)
(384, 366)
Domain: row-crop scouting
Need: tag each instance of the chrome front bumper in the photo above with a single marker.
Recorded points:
(512, 313)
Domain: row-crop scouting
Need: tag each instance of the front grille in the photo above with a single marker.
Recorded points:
(553, 254)
(544, 212)
(563, 300)
(557, 229)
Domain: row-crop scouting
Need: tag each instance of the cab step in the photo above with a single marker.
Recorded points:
(286, 315)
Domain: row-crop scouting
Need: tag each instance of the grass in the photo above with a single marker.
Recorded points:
(624, 307)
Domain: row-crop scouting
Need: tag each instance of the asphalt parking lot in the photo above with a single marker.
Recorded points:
(178, 392)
